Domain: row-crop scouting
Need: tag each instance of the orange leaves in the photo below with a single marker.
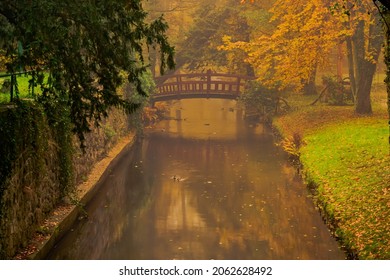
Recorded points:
(151, 115)
(303, 37)
(304, 34)
(293, 144)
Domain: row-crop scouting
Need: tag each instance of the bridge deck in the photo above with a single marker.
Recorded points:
(199, 85)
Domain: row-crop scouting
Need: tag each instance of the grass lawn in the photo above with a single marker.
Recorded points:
(23, 87)
(347, 158)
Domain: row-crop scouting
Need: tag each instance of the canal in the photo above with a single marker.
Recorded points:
(202, 185)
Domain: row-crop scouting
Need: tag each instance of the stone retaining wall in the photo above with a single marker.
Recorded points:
(32, 188)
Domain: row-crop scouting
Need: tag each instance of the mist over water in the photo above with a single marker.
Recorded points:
(203, 185)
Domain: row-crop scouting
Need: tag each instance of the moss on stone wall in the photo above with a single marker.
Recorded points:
(42, 162)
(29, 186)
(98, 143)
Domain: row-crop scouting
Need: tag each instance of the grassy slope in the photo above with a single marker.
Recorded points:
(347, 157)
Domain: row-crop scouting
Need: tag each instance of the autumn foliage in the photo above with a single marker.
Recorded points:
(303, 37)
(285, 58)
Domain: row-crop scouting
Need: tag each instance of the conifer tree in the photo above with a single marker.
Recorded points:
(82, 48)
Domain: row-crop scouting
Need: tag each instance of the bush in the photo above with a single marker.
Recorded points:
(263, 101)
(337, 91)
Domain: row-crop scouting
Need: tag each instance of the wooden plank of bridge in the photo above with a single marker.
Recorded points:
(201, 83)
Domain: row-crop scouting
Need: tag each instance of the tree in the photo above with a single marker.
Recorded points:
(197, 28)
(199, 48)
(363, 46)
(306, 33)
(178, 14)
(83, 48)
(384, 10)
(302, 39)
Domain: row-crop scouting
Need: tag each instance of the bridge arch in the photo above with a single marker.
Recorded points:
(199, 85)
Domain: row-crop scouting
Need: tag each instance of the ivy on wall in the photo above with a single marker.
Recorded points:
(35, 167)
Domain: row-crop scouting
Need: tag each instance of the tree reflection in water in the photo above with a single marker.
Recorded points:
(238, 197)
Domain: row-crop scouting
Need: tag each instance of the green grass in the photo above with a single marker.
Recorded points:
(347, 158)
(350, 164)
(23, 87)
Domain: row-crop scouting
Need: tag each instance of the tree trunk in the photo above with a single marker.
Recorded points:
(363, 106)
(309, 88)
(387, 59)
(363, 92)
(364, 68)
(340, 59)
(249, 70)
(351, 69)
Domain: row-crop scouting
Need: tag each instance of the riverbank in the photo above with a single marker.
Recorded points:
(345, 159)
(63, 217)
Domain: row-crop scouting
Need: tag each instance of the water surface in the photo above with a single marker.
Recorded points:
(203, 185)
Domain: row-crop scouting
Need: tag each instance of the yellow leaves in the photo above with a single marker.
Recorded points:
(304, 35)
(151, 115)
(303, 38)
(353, 182)
(228, 45)
(293, 144)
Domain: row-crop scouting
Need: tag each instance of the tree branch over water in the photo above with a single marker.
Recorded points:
(85, 49)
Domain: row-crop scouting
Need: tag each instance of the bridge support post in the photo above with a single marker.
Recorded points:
(238, 85)
(208, 77)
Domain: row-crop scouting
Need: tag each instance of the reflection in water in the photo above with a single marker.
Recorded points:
(206, 186)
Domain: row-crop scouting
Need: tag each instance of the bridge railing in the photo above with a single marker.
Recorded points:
(203, 83)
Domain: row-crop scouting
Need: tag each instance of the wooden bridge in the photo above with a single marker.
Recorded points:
(199, 85)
